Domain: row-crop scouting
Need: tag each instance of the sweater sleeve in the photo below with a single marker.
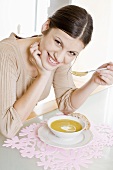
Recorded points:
(10, 122)
(63, 85)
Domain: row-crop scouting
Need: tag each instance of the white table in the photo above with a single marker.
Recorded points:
(98, 108)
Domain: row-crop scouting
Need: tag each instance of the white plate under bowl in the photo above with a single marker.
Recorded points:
(45, 135)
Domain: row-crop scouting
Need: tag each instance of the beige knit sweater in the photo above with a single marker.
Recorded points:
(14, 81)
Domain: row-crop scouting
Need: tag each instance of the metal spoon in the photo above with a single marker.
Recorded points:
(76, 73)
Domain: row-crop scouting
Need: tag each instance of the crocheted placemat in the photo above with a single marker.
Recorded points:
(49, 157)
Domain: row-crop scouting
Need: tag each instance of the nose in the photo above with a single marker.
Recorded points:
(60, 56)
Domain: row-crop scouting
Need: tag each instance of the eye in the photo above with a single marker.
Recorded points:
(73, 54)
(58, 42)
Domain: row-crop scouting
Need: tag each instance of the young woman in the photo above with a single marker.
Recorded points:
(29, 66)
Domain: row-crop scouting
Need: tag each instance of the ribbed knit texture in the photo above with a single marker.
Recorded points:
(14, 82)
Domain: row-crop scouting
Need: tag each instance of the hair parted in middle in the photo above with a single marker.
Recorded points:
(73, 20)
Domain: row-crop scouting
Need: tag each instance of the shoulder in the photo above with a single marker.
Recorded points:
(8, 48)
(9, 55)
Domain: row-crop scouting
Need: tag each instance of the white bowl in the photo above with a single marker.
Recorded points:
(66, 135)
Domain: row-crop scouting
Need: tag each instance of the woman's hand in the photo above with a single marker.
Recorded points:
(104, 77)
(35, 58)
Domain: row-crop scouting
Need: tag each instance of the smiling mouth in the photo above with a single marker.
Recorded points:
(52, 61)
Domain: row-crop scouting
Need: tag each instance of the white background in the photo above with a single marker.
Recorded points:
(25, 18)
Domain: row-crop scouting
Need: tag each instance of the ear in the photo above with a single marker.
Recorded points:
(45, 26)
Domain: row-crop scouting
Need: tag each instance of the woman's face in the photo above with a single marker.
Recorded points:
(60, 47)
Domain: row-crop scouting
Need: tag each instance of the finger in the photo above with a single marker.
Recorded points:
(102, 82)
(108, 79)
(33, 49)
(35, 53)
(107, 72)
(110, 63)
(34, 44)
(110, 66)
(105, 65)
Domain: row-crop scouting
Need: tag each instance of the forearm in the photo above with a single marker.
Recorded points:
(27, 102)
(79, 96)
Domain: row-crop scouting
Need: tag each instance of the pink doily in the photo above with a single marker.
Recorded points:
(29, 145)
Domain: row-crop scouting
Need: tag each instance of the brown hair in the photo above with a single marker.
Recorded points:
(75, 21)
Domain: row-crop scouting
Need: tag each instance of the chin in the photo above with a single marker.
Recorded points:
(48, 67)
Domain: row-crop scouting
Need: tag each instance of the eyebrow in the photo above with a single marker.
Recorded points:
(63, 45)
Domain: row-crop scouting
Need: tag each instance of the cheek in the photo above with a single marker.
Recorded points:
(69, 60)
(49, 44)
(45, 46)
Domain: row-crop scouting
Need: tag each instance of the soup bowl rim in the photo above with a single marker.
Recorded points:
(65, 134)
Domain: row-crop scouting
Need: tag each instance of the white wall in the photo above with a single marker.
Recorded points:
(100, 48)
(22, 12)
(14, 13)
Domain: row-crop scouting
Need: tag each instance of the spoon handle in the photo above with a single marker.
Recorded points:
(98, 69)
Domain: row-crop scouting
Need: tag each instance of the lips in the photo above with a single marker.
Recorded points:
(52, 61)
